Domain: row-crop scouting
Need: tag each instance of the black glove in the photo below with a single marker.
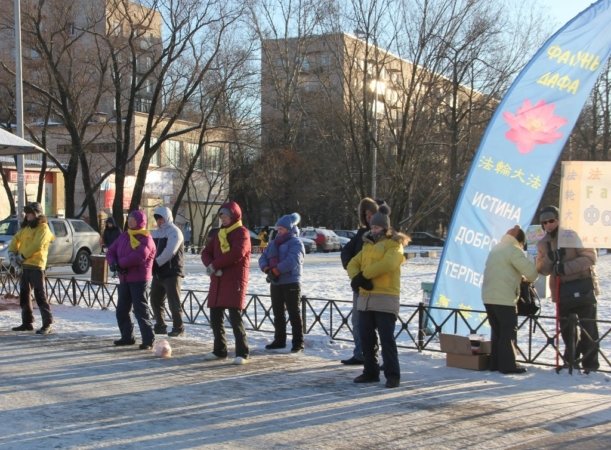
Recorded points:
(359, 281)
(114, 267)
(553, 256)
(558, 268)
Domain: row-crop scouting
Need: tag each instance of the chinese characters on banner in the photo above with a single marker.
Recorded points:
(585, 206)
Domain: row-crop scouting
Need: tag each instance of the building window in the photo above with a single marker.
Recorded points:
(155, 159)
(214, 158)
(173, 153)
(191, 150)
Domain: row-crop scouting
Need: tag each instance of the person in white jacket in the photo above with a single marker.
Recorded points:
(505, 267)
(168, 271)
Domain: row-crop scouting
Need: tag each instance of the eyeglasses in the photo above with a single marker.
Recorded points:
(545, 222)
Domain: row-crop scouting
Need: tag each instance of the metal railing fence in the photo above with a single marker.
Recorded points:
(417, 327)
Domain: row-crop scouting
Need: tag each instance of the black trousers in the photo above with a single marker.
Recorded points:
(384, 323)
(160, 289)
(217, 319)
(132, 295)
(585, 345)
(503, 322)
(287, 296)
(34, 279)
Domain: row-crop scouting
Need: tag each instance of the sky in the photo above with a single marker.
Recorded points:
(564, 10)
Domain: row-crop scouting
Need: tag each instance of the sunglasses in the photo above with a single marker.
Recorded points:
(545, 222)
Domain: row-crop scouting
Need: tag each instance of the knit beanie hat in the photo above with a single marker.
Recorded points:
(549, 212)
(381, 218)
(289, 221)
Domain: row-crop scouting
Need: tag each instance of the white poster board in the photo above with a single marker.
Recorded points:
(584, 205)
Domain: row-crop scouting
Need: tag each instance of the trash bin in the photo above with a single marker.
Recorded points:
(99, 269)
(427, 290)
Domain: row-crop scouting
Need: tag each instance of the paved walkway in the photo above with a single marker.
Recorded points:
(78, 391)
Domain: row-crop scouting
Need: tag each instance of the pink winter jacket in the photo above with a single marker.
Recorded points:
(139, 261)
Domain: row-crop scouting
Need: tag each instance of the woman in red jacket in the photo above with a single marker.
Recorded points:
(226, 257)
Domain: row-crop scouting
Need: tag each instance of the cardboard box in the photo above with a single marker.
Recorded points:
(463, 345)
(465, 352)
(473, 362)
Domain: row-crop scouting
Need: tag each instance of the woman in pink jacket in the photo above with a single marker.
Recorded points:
(131, 255)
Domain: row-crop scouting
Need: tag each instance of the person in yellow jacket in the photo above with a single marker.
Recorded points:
(29, 249)
(376, 272)
(506, 265)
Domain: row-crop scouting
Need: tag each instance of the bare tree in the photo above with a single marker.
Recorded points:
(162, 76)
(63, 82)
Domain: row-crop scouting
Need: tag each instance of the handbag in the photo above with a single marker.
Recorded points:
(528, 302)
(577, 292)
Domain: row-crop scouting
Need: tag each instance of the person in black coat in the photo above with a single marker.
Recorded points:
(111, 232)
(367, 208)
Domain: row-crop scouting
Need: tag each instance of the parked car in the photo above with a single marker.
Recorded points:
(308, 244)
(75, 241)
(427, 239)
(345, 233)
(326, 240)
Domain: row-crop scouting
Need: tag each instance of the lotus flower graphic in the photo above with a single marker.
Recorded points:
(533, 125)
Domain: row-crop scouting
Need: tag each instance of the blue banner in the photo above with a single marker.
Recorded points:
(517, 155)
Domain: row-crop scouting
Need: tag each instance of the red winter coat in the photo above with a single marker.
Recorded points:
(229, 290)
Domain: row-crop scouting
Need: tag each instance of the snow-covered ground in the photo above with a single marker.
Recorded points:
(303, 402)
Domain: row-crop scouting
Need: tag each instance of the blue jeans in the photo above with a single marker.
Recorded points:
(358, 350)
(133, 295)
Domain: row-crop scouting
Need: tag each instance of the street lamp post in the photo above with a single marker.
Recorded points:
(19, 107)
(374, 109)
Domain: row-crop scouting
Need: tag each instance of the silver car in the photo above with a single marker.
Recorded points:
(75, 241)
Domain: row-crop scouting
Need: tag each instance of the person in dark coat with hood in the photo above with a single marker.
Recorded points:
(111, 233)
(131, 256)
(367, 208)
(226, 257)
(282, 261)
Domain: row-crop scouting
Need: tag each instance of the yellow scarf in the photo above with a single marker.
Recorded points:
(132, 236)
(223, 232)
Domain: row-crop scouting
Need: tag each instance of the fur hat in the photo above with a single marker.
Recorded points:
(549, 212)
(367, 204)
(289, 221)
(381, 218)
(34, 208)
(162, 349)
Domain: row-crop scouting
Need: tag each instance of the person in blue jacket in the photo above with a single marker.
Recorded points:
(282, 262)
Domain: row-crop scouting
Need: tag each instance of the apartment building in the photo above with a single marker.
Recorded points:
(352, 107)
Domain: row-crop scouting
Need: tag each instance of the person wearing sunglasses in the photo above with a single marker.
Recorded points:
(574, 286)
